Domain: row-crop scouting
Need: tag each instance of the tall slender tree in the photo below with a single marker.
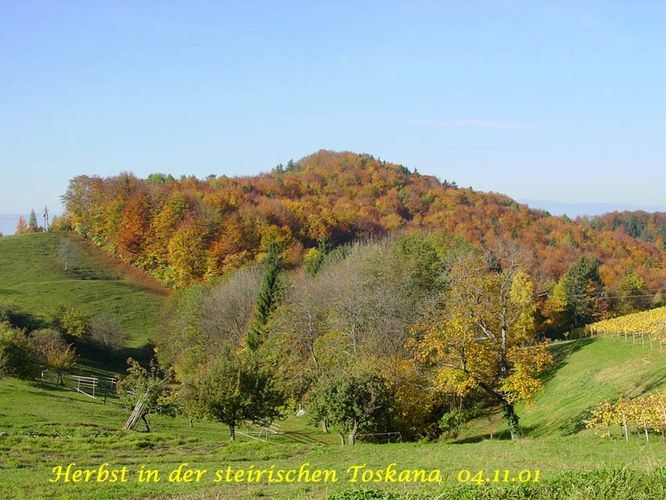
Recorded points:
(21, 225)
(584, 291)
(32, 222)
(269, 295)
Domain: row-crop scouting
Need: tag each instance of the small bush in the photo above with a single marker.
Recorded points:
(71, 321)
(106, 332)
(16, 353)
(52, 351)
(452, 421)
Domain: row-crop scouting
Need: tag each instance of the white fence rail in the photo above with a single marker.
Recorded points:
(90, 386)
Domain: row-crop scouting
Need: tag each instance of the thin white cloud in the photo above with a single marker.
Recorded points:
(467, 123)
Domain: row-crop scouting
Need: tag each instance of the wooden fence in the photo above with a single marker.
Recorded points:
(93, 387)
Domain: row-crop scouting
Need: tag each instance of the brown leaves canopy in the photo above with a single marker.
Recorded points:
(343, 197)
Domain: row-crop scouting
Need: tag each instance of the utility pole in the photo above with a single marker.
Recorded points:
(46, 217)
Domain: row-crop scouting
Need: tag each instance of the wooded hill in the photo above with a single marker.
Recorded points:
(190, 230)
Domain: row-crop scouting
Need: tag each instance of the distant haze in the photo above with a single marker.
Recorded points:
(579, 209)
(8, 223)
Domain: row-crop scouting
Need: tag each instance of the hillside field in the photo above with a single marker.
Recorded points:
(33, 277)
(42, 426)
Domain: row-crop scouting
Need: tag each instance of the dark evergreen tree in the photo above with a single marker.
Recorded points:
(32, 222)
(269, 295)
(291, 166)
(315, 258)
(583, 291)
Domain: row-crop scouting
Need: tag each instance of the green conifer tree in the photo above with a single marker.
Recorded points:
(32, 222)
(269, 295)
(584, 291)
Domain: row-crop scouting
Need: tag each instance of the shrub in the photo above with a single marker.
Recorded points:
(105, 331)
(71, 321)
(52, 351)
(16, 354)
(452, 421)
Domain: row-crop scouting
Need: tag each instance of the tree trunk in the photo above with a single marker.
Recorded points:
(352, 433)
(511, 418)
(342, 438)
(145, 422)
(139, 411)
(232, 432)
(136, 415)
(324, 426)
(59, 379)
(507, 409)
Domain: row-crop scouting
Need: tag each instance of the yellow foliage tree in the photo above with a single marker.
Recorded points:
(187, 254)
(21, 225)
(481, 333)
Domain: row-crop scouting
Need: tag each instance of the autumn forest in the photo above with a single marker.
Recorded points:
(189, 230)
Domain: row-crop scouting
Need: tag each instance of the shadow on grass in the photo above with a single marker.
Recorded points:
(505, 435)
(19, 318)
(561, 351)
(57, 391)
(102, 265)
(577, 423)
(90, 273)
(98, 360)
(67, 393)
(648, 385)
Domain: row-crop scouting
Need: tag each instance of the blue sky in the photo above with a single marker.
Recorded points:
(561, 101)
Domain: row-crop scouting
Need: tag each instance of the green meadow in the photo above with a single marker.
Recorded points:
(33, 277)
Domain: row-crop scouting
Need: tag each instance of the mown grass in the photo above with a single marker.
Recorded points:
(33, 277)
(41, 427)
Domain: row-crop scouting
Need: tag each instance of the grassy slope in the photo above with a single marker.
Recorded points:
(585, 373)
(33, 278)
